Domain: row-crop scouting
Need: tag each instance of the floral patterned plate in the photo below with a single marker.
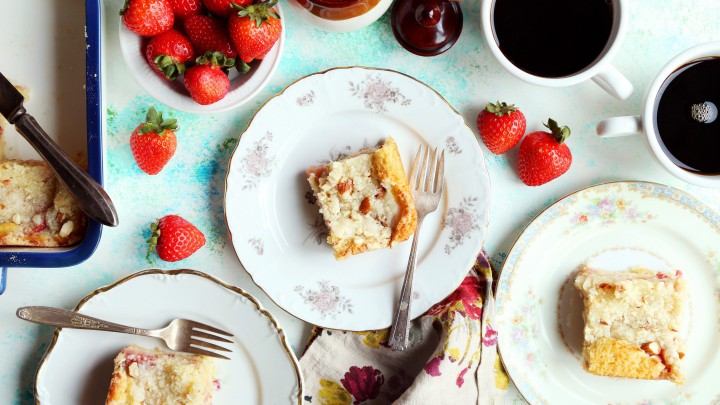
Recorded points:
(278, 233)
(262, 369)
(612, 226)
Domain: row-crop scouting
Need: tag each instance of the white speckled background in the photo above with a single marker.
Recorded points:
(467, 76)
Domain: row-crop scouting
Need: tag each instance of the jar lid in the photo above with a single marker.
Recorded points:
(426, 27)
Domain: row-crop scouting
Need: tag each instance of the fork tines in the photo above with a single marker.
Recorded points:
(202, 331)
(428, 170)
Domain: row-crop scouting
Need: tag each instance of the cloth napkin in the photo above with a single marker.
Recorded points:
(447, 344)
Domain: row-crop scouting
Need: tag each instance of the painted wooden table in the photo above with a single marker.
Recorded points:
(467, 76)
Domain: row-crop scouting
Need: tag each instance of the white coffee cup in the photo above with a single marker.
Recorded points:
(630, 125)
(601, 71)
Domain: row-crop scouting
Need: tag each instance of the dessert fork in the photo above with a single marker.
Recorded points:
(426, 181)
(180, 334)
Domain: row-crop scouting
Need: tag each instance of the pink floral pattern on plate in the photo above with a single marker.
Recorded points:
(608, 211)
(463, 222)
(257, 163)
(376, 93)
(452, 146)
(258, 245)
(326, 300)
(306, 99)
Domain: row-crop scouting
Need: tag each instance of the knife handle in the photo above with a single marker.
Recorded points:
(89, 195)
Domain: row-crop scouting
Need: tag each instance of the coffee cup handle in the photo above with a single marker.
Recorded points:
(619, 126)
(614, 82)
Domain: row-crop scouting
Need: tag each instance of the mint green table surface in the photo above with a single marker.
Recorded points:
(192, 184)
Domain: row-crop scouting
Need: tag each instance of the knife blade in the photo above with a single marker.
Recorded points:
(88, 194)
(11, 101)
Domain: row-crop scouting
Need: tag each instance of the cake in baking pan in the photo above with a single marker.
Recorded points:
(35, 208)
(365, 200)
(633, 321)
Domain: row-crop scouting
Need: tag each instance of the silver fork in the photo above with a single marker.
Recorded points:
(426, 182)
(180, 334)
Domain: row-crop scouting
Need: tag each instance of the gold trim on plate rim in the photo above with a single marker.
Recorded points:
(237, 290)
(541, 213)
(282, 92)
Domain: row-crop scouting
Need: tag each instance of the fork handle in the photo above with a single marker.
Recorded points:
(69, 319)
(401, 323)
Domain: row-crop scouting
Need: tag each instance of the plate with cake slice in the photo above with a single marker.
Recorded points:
(95, 367)
(318, 205)
(612, 295)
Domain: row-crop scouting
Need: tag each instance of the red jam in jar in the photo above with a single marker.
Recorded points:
(338, 9)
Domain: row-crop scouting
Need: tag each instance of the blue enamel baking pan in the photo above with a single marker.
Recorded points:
(69, 256)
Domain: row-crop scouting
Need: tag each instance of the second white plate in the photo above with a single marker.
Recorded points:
(612, 226)
(279, 235)
(262, 368)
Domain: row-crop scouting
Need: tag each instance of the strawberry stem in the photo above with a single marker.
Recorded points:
(259, 12)
(152, 241)
(124, 7)
(559, 133)
(154, 122)
(242, 67)
(500, 109)
(169, 67)
(215, 58)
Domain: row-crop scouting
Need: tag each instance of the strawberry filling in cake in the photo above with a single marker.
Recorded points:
(146, 377)
(633, 321)
(365, 200)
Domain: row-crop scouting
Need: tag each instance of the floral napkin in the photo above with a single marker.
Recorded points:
(447, 344)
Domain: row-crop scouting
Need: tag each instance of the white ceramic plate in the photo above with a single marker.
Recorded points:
(174, 94)
(279, 236)
(612, 226)
(262, 368)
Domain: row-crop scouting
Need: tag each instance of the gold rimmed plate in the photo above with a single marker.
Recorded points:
(278, 233)
(262, 368)
(612, 226)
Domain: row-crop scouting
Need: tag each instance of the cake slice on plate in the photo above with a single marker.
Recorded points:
(154, 377)
(365, 200)
(633, 321)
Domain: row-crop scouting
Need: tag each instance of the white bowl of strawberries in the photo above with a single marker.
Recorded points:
(202, 56)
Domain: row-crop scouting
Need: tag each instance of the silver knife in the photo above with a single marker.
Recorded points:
(89, 195)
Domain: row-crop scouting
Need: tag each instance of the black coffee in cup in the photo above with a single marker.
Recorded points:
(552, 38)
(686, 116)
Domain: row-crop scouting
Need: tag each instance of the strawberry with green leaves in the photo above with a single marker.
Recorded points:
(148, 17)
(153, 142)
(208, 81)
(501, 126)
(174, 238)
(543, 155)
(254, 30)
(208, 34)
(168, 52)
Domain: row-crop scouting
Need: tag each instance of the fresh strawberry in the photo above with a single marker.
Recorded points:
(208, 34)
(174, 238)
(148, 17)
(168, 52)
(543, 155)
(254, 30)
(185, 8)
(223, 8)
(153, 142)
(500, 126)
(207, 82)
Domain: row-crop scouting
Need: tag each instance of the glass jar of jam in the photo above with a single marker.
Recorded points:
(338, 9)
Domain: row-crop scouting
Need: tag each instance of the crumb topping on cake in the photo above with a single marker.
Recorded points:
(148, 377)
(35, 209)
(630, 316)
(364, 200)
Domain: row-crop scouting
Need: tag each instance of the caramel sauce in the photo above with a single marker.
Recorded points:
(338, 9)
